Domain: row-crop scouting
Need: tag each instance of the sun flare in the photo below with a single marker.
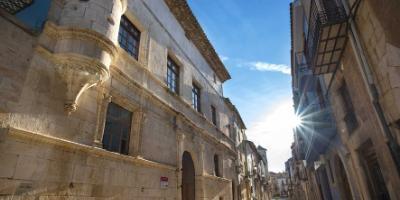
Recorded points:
(294, 120)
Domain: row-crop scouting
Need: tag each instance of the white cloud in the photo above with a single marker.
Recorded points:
(274, 131)
(264, 66)
(223, 58)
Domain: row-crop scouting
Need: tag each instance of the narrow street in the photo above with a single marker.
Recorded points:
(200, 99)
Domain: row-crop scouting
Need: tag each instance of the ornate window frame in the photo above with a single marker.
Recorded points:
(138, 116)
(131, 32)
(144, 41)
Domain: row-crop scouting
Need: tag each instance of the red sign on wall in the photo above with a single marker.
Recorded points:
(163, 182)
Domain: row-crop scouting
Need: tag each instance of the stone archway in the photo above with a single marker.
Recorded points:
(342, 179)
(188, 177)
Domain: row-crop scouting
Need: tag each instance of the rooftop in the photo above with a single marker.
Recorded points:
(195, 33)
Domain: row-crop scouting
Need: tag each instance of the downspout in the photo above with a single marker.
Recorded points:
(371, 86)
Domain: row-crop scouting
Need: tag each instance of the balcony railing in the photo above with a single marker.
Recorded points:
(326, 38)
(13, 6)
(300, 62)
(351, 122)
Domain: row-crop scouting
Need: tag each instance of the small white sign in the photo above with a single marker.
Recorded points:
(163, 182)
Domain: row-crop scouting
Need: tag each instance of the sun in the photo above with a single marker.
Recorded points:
(282, 118)
(293, 120)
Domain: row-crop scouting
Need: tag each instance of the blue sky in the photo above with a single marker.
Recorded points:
(252, 38)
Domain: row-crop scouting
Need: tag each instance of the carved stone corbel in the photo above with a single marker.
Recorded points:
(78, 73)
(82, 54)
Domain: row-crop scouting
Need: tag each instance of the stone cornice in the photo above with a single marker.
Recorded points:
(215, 178)
(62, 143)
(195, 33)
(91, 65)
(61, 32)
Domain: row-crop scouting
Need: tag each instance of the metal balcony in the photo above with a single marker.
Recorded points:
(300, 62)
(13, 6)
(327, 35)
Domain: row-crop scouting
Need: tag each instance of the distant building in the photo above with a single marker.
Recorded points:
(279, 184)
(256, 174)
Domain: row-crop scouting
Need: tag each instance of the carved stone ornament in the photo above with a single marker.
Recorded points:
(78, 73)
(81, 58)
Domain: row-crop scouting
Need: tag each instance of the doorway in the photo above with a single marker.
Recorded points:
(342, 179)
(373, 172)
(188, 177)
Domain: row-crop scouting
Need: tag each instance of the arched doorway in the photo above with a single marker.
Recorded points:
(188, 177)
(342, 179)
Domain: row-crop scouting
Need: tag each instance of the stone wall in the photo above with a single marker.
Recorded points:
(370, 60)
(378, 33)
(378, 54)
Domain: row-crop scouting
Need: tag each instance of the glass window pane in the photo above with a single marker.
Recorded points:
(115, 142)
(117, 128)
(172, 75)
(129, 37)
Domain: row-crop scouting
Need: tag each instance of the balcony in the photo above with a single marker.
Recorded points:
(13, 6)
(351, 122)
(327, 35)
(301, 63)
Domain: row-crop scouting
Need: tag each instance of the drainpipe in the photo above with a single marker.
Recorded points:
(371, 86)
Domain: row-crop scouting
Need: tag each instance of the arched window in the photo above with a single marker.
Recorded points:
(216, 166)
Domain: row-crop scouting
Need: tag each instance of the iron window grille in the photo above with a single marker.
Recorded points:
(216, 166)
(14, 6)
(327, 35)
(117, 129)
(214, 115)
(300, 62)
(351, 122)
(350, 118)
(129, 37)
(196, 98)
(172, 76)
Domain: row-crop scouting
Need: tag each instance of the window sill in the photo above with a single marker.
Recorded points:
(175, 94)
(128, 58)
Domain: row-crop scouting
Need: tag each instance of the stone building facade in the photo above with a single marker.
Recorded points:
(255, 173)
(279, 184)
(345, 59)
(113, 99)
